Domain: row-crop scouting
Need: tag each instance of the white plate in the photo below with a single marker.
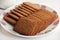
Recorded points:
(9, 28)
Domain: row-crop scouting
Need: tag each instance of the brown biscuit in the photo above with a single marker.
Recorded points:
(33, 10)
(36, 7)
(9, 20)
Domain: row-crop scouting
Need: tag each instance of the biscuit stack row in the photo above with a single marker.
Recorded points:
(22, 10)
(30, 19)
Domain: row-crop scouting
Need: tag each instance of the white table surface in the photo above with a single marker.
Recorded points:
(55, 4)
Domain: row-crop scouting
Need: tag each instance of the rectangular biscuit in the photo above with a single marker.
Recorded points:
(31, 5)
(9, 20)
(33, 10)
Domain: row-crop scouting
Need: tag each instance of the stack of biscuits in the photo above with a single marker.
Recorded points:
(22, 10)
(30, 19)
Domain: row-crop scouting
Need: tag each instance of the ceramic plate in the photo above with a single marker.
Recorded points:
(9, 28)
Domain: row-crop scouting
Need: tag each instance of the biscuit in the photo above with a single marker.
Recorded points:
(36, 7)
(9, 20)
(33, 10)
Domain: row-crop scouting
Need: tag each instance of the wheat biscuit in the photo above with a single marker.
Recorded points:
(36, 7)
(9, 20)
